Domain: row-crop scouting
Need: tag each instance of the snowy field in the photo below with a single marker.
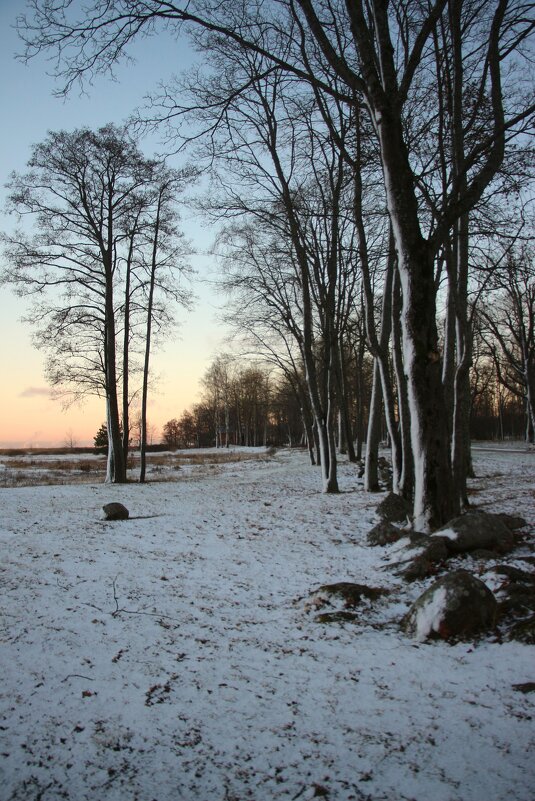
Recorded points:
(177, 655)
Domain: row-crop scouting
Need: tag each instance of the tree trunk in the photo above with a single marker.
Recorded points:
(406, 479)
(322, 416)
(371, 475)
(360, 390)
(434, 498)
(346, 444)
(148, 337)
(116, 468)
(309, 433)
(460, 445)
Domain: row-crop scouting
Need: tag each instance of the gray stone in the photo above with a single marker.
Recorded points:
(457, 606)
(476, 531)
(348, 592)
(525, 687)
(513, 522)
(517, 593)
(394, 508)
(515, 574)
(384, 533)
(519, 599)
(115, 511)
(335, 617)
(524, 631)
(433, 552)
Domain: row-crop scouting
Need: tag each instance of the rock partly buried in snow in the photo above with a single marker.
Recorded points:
(384, 533)
(347, 592)
(351, 593)
(427, 555)
(525, 687)
(335, 617)
(515, 574)
(393, 508)
(524, 631)
(516, 594)
(477, 530)
(426, 562)
(456, 606)
(115, 511)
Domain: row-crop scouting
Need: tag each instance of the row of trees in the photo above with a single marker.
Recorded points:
(249, 403)
(242, 403)
(100, 250)
(370, 163)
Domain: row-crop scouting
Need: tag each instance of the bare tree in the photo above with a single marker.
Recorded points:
(70, 441)
(78, 192)
(373, 56)
(510, 330)
(85, 194)
(163, 267)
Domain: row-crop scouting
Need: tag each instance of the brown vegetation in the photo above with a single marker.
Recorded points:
(24, 469)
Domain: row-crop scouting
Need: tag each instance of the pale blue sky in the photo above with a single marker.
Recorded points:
(27, 415)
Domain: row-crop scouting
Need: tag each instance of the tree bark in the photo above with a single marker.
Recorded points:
(371, 475)
(116, 470)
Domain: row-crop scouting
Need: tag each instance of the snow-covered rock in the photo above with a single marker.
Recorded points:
(384, 533)
(394, 508)
(428, 553)
(347, 592)
(477, 530)
(456, 606)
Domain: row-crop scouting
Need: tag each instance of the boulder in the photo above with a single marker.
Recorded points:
(524, 631)
(394, 508)
(476, 531)
(519, 599)
(115, 511)
(426, 563)
(384, 533)
(515, 574)
(456, 606)
(517, 592)
(335, 617)
(513, 522)
(343, 596)
(429, 554)
(348, 592)
(525, 687)
(483, 555)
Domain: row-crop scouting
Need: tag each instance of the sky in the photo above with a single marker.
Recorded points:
(29, 417)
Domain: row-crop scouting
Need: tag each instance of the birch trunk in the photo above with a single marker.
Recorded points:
(116, 465)
(148, 331)
(371, 475)
(406, 479)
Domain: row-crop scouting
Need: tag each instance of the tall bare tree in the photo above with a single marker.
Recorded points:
(88, 195)
(376, 56)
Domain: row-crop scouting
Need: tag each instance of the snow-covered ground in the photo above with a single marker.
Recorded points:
(176, 655)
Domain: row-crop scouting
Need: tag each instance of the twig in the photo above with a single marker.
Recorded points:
(118, 611)
(115, 597)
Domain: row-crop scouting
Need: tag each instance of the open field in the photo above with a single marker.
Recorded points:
(27, 469)
(177, 655)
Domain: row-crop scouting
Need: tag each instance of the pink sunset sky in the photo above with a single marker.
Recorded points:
(29, 416)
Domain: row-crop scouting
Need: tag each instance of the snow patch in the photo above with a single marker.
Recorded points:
(447, 532)
(430, 616)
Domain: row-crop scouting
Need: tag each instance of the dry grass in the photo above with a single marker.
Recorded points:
(38, 471)
(210, 457)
